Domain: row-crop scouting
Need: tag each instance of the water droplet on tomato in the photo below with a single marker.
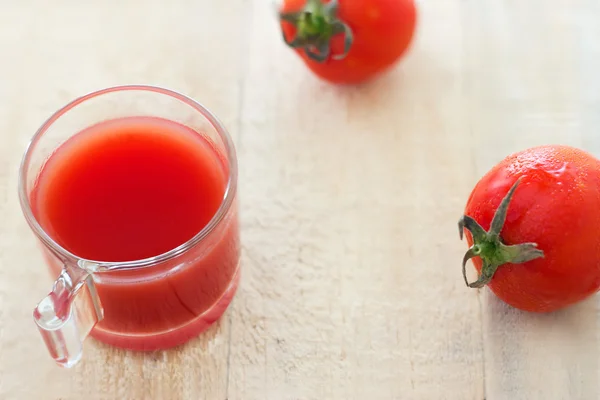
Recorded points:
(558, 172)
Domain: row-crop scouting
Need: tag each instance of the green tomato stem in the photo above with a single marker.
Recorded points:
(315, 25)
(488, 246)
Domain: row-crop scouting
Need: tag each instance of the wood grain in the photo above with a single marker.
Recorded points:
(347, 290)
(351, 285)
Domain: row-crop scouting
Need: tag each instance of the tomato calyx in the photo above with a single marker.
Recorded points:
(315, 25)
(489, 246)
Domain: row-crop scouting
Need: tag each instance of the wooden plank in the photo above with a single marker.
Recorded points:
(534, 81)
(50, 54)
(352, 285)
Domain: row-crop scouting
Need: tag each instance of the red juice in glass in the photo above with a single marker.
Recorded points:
(138, 219)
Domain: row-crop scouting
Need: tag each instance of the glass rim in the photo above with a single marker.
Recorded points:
(97, 265)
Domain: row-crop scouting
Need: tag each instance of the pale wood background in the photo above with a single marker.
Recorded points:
(351, 283)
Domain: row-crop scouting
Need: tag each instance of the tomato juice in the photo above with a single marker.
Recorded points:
(133, 188)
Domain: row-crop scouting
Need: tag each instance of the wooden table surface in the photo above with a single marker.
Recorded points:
(351, 284)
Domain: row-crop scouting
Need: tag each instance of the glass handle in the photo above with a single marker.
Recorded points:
(67, 315)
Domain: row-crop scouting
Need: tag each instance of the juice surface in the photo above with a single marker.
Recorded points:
(133, 188)
(129, 189)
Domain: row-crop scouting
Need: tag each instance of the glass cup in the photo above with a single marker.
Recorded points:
(148, 304)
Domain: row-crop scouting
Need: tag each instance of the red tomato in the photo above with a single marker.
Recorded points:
(350, 41)
(543, 252)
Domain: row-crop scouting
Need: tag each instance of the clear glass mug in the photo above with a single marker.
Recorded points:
(122, 304)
